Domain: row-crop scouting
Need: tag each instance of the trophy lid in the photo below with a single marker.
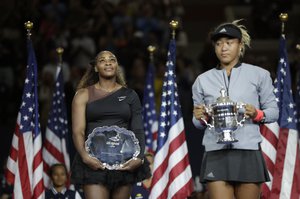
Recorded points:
(224, 97)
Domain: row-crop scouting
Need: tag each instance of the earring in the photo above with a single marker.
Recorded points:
(96, 70)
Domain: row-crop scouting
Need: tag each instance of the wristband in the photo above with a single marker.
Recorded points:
(260, 116)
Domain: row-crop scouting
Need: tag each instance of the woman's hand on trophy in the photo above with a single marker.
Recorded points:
(93, 162)
(200, 112)
(131, 164)
(250, 111)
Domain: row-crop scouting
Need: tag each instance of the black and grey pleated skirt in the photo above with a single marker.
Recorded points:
(81, 174)
(234, 165)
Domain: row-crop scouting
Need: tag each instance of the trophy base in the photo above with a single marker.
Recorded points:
(226, 137)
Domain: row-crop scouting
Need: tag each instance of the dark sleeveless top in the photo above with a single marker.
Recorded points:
(122, 108)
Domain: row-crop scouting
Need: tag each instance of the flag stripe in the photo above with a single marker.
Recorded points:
(38, 190)
(266, 190)
(173, 174)
(163, 158)
(270, 164)
(180, 165)
(171, 154)
(173, 133)
(23, 167)
(46, 169)
(168, 177)
(18, 192)
(276, 185)
(270, 151)
(52, 138)
(12, 159)
(54, 151)
(51, 159)
(183, 180)
(289, 162)
(269, 135)
(181, 193)
(296, 179)
(14, 148)
(37, 161)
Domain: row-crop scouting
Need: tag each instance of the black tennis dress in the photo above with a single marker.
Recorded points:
(121, 108)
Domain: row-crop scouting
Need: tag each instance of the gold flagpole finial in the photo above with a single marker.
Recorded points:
(174, 26)
(60, 51)
(151, 50)
(283, 18)
(28, 25)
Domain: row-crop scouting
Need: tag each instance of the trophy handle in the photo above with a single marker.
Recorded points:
(210, 126)
(208, 111)
(241, 105)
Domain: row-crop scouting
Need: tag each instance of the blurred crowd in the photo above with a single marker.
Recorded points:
(83, 28)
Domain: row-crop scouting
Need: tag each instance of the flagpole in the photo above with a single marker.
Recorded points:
(151, 50)
(59, 52)
(149, 106)
(174, 26)
(283, 18)
(28, 26)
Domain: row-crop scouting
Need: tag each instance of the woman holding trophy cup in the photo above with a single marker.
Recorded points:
(103, 105)
(230, 102)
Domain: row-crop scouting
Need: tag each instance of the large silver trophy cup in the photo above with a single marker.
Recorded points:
(224, 118)
(112, 145)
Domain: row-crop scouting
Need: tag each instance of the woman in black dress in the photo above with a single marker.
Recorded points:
(102, 99)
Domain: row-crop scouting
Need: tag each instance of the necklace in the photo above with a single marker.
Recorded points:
(108, 90)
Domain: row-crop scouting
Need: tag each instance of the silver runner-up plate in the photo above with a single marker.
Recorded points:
(112, 145)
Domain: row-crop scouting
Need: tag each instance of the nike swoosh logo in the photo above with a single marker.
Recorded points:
(121, 98)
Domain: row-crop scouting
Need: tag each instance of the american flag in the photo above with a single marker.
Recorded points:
(56, 137)
(149, 112)
(25, 162)
(280, 140)
(172, 176)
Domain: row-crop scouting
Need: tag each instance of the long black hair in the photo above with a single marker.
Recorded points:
(91, 77)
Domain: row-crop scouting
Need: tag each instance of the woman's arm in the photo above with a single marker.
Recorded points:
(136, 125)
(78, 126)
(199, 110)
(268, 103)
